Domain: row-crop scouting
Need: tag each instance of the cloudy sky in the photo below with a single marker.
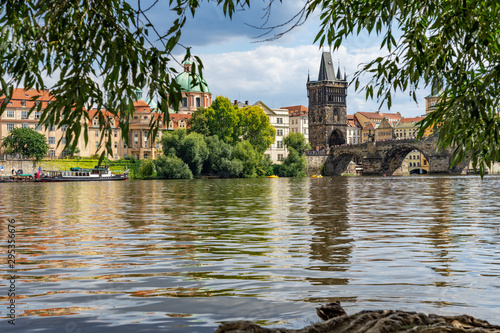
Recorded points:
(242, 67)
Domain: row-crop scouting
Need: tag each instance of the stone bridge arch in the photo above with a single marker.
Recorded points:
(394, 157)
(337, 163)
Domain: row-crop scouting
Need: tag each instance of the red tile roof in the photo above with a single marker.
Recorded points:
(296, 110)
(19, 95)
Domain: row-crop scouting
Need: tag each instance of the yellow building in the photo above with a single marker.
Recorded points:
(383, 130)
(140, 144)
(407, 128)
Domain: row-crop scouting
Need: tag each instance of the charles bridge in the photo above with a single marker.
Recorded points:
(381, 157)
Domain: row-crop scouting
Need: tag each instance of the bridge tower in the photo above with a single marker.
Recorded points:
(327, 106)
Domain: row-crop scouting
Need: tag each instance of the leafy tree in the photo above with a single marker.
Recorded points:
(219, 153)
(172, 167)
(27, 142)
(193, 152)
(222, 120)
(294, 165)
(245, 152)
(255, 127)
(147, 168)
(172, 141)
(198, 122)
(190, 148)
(297, 141)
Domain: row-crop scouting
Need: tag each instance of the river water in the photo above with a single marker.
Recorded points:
(184, 256)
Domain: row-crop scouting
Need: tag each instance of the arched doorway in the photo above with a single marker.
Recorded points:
(336, 139)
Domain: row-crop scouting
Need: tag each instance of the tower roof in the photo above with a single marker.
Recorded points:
(326, 70)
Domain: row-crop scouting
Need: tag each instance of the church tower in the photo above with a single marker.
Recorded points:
(327, 106)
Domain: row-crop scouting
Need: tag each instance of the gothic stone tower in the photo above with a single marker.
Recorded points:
(327, 106)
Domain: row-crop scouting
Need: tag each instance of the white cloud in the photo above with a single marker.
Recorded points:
(277, 75)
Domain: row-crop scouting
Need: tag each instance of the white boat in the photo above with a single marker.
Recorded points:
(96, 174)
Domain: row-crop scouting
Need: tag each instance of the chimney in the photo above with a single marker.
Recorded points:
(235, 102)
(246, 102)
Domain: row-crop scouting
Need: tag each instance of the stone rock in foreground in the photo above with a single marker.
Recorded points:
(376, 322)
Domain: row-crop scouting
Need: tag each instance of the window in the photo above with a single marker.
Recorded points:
(52, 140)
(116, 134)
(39, 128)
(63, 141)
(96, 134)
(24, 114)
(280, 157)
(279, 120)
(279, 132)
(184, 101)
(26, 125)
(146, 156)
(23, 102)
(10, 114)
(97, 144)
(52, 128)
(37, 115)
(198, 102)
(64, 128)
(124, 145)
(10, 127)
(96, 123)
(280, 144)
(116, 144)
(52, 153)
(182, 124)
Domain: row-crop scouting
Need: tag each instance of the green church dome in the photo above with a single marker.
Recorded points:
(185, 80)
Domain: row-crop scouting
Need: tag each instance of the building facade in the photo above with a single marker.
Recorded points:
(327, 106)
(279, 119)
(299, 123)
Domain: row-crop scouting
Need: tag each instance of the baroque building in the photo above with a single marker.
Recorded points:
(327, 106)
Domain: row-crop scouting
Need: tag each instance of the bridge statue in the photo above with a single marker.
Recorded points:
(381, 157)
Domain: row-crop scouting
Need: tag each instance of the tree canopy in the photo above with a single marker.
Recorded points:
(27, 142)
(450, 44)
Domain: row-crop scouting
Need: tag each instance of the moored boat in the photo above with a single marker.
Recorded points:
(77, 175)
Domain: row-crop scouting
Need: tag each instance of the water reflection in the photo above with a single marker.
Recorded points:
(185, 255)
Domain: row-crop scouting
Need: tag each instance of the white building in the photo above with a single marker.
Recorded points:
(298, 120)
(353, 131)
(279, 119)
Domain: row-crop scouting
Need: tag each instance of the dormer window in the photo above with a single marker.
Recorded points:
(23, 102)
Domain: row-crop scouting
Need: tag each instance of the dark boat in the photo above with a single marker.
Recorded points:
(96, 174)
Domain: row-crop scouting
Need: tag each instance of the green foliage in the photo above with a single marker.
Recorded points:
(27, 142)
(222, 120)
(146, 169)
(297, 141)
(265, 167)
(172, 167)
(191, 148)
(198, 122)
(246, 153)
(219, 153)
(255, 127)
(451, 46)
(294, 165)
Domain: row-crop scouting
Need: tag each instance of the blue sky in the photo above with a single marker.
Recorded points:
(238, 66)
